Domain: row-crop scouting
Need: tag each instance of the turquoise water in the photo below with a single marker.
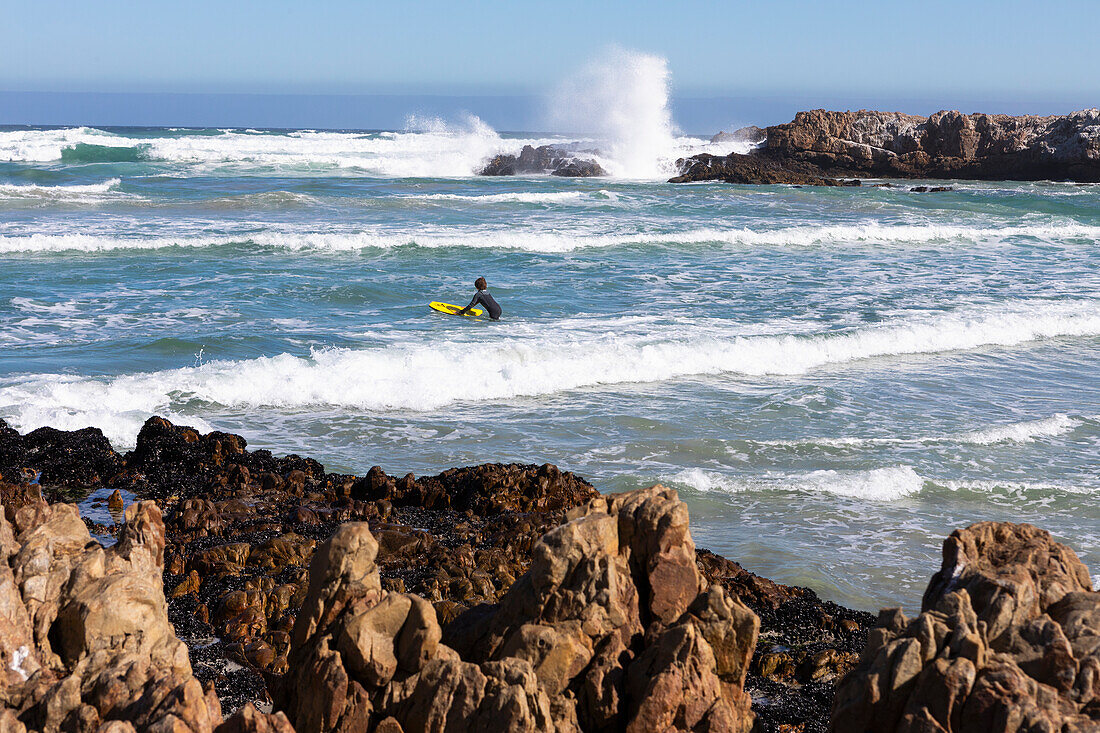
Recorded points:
(833, 378)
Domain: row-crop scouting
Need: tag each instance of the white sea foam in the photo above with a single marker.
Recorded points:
(433, 148)
(27, 190)
(528, 361)
(563, 241)
(622, 97)
(523, 197)
(1019, 432)
(1022, 432)
(879, 484)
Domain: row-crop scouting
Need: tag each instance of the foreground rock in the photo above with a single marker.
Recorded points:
(837, 145)
(612, 628)
(1008, 640)
(543, 159)
(84, 632)
(243, 527)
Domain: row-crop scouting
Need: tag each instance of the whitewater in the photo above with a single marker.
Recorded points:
(832, 378)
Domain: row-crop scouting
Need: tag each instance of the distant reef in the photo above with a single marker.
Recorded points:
(820, 147)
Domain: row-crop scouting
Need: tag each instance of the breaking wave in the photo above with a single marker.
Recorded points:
(532, 360)
(879, 484)
(542, 241)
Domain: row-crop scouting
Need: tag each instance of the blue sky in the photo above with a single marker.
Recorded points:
(1009, 56)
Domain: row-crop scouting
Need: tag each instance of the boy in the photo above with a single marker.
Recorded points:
(482, 297)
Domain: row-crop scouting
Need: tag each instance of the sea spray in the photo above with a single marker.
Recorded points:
(622, 97)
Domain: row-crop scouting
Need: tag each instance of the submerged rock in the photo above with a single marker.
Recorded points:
(1008, 639)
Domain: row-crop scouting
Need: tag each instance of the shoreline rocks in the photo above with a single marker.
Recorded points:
(1008, 639)
(515, 596)
(948, 144)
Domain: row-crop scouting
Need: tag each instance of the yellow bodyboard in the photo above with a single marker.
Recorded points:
(452, 310)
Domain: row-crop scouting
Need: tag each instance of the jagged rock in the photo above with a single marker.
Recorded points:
(1007, 640)
(821, 144)
(613, 625)
(543, 159)
(947, 144)
(618, 584)
(84, 632)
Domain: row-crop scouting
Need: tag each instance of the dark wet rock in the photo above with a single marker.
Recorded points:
(750, 134)
(806, 646)
(579, 169)
(73, 459)
(1008, 639)
(749, 169)
(931, 189)
(543, 159)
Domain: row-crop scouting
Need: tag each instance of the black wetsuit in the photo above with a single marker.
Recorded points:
(482, 297)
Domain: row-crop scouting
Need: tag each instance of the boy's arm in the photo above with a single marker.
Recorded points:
(477, 297)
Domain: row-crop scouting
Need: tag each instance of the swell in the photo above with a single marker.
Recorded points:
(551, 242)
(528, 362)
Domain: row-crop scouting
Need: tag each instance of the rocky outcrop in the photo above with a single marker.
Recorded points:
(85, 642)
(613, 628)
(752, 134)
(543, 159)
(1008, 639)
(948, 144)
(78, 459)
(751, 169)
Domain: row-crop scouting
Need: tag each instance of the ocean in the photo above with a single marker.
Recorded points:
(833, 378)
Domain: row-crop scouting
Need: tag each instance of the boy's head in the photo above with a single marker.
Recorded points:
(480, 284)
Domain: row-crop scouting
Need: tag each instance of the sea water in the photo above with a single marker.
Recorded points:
(833, 378)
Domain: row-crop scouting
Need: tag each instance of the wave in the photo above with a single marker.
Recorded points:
(427, 149)
(1023, 432)
(879, 484)
(19, 195)
(89, 153)
(558, 241)
(438, 149)
(523, 197)
(530, 361)
(1019, 432)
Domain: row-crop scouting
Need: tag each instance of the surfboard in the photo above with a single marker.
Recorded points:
(452, 310)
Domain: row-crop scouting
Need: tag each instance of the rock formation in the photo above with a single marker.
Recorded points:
(945, 145)
(243, 526)
(1008, 639)
(543, 159)
(84, 635)
(613, 628)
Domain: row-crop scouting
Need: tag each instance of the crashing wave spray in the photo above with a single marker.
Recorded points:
(622, 98)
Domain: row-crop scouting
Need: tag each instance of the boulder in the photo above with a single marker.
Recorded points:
(616, 618)
(543, 159)
(613, 625)
(84, 631)
(1007, 640)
